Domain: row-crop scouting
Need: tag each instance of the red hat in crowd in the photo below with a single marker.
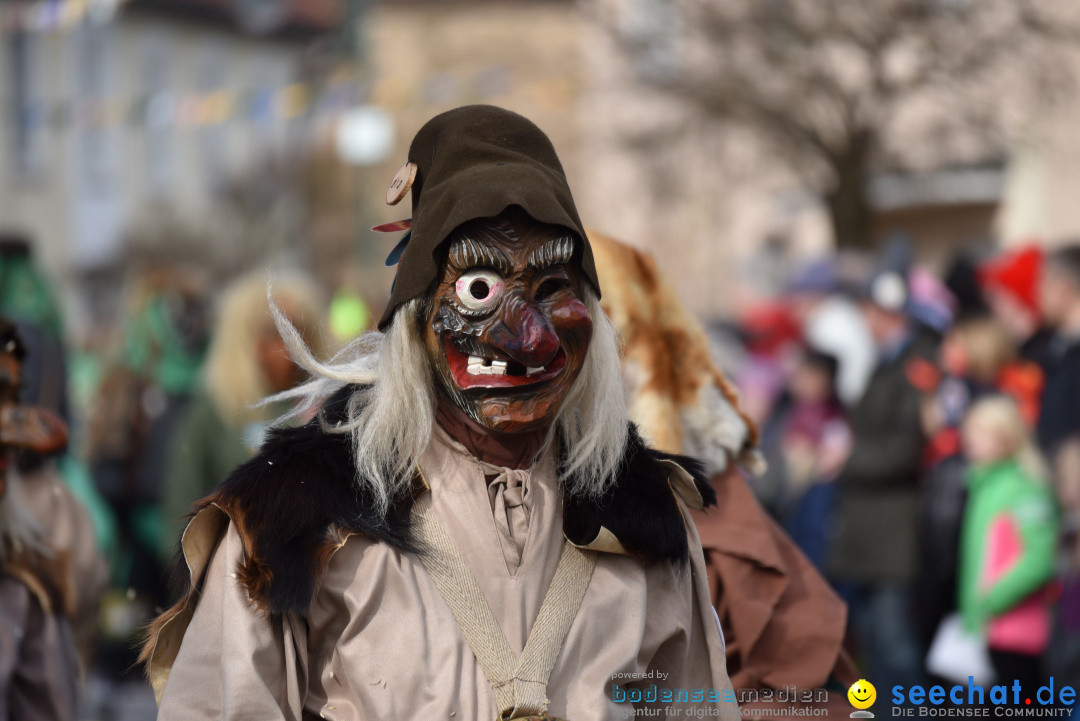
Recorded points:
(768, 327)
(1017, 273)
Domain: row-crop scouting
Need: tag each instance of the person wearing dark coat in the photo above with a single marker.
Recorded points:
(768, 595)
(874, 555)
(1060, 416)
(1058, 435)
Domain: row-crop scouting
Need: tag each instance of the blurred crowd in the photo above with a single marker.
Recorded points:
(923, 441)
(922, 435)
(158, 414)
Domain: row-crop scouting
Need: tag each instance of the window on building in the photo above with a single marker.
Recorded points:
(95, 142)
(210, 79)
(26, 119)
(159, 110)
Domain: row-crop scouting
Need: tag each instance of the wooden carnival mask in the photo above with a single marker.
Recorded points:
(507, 329)
(22, 427)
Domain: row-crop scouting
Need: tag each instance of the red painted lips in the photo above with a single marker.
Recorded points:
(514, 376)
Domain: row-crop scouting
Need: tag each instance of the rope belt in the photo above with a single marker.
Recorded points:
(519, 684)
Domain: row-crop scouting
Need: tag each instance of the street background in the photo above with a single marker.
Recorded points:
(782, 160)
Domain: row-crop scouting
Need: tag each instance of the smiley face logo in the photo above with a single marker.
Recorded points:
(862, 694)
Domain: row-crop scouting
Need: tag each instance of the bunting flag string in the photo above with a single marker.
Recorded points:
(49, 16)
(267, 105)
(186, 109)
(194, 109)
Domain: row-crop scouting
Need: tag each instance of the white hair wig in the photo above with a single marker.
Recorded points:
(391, 417)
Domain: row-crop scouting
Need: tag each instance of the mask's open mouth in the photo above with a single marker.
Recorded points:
(474, 371)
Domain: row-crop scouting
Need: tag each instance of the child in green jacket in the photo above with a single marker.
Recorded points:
(1008, 540)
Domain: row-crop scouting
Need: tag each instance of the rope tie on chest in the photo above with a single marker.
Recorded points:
(519, 684)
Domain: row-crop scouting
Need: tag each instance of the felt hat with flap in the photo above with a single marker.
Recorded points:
(475, 162)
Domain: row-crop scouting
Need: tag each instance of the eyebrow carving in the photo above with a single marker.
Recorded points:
(466, 253)
(554, 252)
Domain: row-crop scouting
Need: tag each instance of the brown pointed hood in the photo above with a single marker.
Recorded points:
(475, 162)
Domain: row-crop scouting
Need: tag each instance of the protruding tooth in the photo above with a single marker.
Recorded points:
(485, 367)
(533, 371)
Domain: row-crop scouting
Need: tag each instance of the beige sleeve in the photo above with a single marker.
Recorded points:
(234, 662)
(690, 662)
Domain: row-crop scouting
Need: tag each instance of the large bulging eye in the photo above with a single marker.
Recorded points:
(479, 290)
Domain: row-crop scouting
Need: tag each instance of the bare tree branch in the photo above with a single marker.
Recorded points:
(826, 79)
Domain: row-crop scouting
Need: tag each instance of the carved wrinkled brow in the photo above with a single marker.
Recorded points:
(553, 252)
(466, 253)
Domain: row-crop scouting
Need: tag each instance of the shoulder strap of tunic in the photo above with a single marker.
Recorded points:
(520, 685)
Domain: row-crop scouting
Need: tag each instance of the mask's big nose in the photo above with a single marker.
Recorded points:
(525, 334)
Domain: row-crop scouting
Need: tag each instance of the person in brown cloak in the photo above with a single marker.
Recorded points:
(769, 597)
(470, 528)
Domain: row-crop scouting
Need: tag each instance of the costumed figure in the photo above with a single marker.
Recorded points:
(38, 667)
(55, 489)
(470, 528)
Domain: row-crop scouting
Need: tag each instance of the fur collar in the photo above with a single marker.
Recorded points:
(295, 502)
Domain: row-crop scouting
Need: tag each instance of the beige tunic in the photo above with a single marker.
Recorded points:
(380, 643)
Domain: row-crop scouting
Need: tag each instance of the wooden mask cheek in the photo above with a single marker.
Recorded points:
(574, 326)
(25, 427)
(31, 428)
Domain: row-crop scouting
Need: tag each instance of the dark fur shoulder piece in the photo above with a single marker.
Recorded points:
(295, 501)
(695, 468)
(293, 504)
(641, 508)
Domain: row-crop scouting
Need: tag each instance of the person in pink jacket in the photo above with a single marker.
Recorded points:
(1007, 542)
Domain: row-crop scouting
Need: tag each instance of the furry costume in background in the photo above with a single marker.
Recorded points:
(678, 397)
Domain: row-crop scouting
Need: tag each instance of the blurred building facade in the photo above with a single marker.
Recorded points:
(428, 56)
(129, 125)
(142, 114)
(716, 205)
(728, 218)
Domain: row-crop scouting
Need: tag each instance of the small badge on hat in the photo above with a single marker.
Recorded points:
(401, 183)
